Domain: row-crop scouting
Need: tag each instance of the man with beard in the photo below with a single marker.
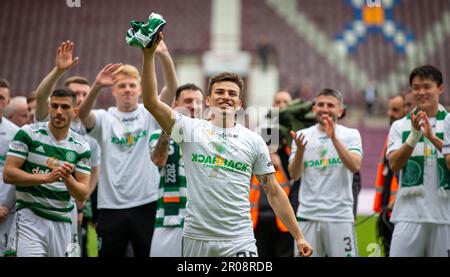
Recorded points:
(326, 156)
(48, 163)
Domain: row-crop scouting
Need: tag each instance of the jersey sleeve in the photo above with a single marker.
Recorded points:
(95, 153)
(182, 129)
(395, 137)
(262, 164)
(83, 163)
(446, 143)
(355, 143)
(100, 116)
(18, 147)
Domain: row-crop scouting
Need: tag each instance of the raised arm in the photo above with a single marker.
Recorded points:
(399, 158)
(160, 152)
(104, 79)
(279, 202)
(170, 75)
(163, 114)
(350, 160)
(63, 62)
(296, 164)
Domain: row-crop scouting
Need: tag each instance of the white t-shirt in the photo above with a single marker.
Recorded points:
(219, 163)
(7, 132)
(128, 177)
(326, 184)
(429, 208)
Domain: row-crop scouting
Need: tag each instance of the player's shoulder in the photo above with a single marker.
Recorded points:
(307, 130)
(246, 132)
(401, 123)
(79, 141)
(37, 128)
(345, 130)
(8, 125)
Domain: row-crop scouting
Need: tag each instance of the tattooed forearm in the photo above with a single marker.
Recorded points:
(161, 150)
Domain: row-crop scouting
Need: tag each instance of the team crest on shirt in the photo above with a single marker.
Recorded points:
(71, 156)
(53, 162)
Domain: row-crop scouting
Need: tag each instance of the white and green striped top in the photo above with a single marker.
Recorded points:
(42, 152)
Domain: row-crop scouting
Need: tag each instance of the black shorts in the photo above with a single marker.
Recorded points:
(117, 227)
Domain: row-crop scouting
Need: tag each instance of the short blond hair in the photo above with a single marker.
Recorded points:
(129, 70)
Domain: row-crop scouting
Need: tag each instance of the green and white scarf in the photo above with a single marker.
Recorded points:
(143, 34)
(412, 182)
(172, 191)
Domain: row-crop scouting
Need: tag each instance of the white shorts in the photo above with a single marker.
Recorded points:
(420, 240)
(245, 247)
(166, 242)
(329, 239)
(5, 227)
(34, 236)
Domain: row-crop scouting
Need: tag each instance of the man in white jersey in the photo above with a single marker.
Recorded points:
(421, 212)
(7, 193)
(326, 156)
(48, 163)
(166, 154)
(220, 157)
(128, 185)
(64, 61)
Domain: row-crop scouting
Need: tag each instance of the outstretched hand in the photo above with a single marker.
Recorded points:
(300, 141)
(161, 48)
(153, 49)
(329, 125)
(64, 56)
(105, 77)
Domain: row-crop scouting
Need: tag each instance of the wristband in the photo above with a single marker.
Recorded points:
(413, 137)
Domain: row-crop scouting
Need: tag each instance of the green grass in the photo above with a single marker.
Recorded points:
(92, 242)
(368, 245)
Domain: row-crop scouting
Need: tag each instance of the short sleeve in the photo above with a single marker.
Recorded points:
(395, 137)
(83, 163)
(262, 164)
(181, 129)
(18, 147)
(95, 153)
(100, 116)
(354, 143)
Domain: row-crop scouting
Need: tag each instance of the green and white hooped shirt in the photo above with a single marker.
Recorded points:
(428, 206)
(42, 152)
(326, 184)
(171, 206)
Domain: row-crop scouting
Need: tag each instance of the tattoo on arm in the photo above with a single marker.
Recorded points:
(266, 181)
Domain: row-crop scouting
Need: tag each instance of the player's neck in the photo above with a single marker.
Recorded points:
(223, 121)
(432, 111)
(58, 134)
(126, 108)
